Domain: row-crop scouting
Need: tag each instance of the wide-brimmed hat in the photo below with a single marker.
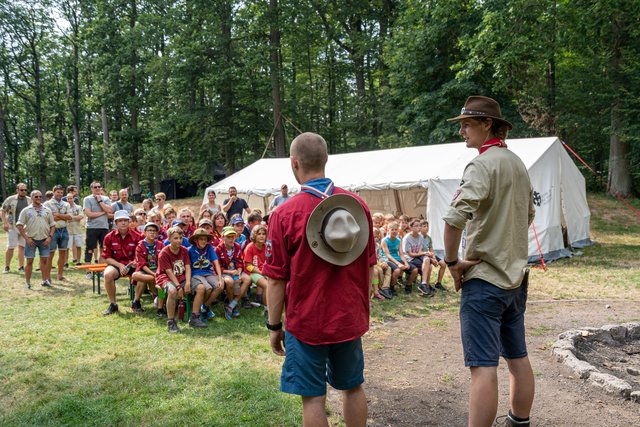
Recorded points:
(228, 231)
(481, 106)
(200, 232)
(204, 221)
(338, 229)
(151, 224)
(121, 214)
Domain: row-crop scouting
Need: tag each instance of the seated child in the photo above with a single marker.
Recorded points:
(147, 253)
(392, 247)
(254, 258)
(206, 285)
(418, 257)
(232, 264)
(238, 224)
(174, 274)
(382, 271)
(435, 260)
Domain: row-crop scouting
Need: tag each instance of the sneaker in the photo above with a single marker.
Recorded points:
(255, 304)
(113, 308)
(46, 284)
(378, 295)
(66, 265)
(88, 276)
(441, 288)
(78, 263)
(407, 289)
(6, 270)
(161, 313)
(196, 322)
(172, 326)
(429, 293)
(155, 302)
(393, 291)
(228, 312)
(21, 270)
(206, 312)
(508, 421)
(27, 286)
(136, 307)
(236, 311)
(245, 304)
(386, 293)
(423, 288)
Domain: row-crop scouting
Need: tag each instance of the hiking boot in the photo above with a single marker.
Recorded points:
(423, 288)
(6, 270)
(21, 270)
(386, 293)
(206, 312)
(246, 304)
(441, 288)
(136, 307)
(407, 289)
(172, 326)
(228, 312)
(236, 311)
(113, 308)
(196, 322)
(46, 284)
(27, 286)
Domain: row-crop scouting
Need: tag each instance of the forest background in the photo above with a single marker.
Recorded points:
(130, 91)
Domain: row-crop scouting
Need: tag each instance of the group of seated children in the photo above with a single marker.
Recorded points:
(213, 263)
(404, 248)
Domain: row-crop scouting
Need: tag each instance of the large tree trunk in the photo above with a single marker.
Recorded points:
(3, 178)
(226, 89)
(274, 41)
(105, 143)
(37, 89)
(135, 154)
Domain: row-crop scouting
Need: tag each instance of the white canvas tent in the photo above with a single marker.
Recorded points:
(420, 181)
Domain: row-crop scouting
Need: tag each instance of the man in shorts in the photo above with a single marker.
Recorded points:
(494, 208)
(320, 247)
(74, 227)
(36, 226)
(10, 212)
(119, 252)
(60, 241)
(97, 209)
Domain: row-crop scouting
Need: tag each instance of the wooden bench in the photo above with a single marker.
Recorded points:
(96, 271)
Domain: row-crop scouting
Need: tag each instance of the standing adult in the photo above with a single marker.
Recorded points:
(234, 204)
(10, 212)
(123, 202)
(161, 205)
(36, 226)
(494, 202)
(61, 215)
(320, 248)
(279, 200)
(211, 204)
(96, 207)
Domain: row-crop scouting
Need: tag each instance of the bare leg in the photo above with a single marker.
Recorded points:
(111, 274)
(7, 257)
(521, 386)
(45, 268)
(313, 412)
(21, 256)
(62, 258)
(354, 407)
(27, 270)
(441, 271)
(483, 396)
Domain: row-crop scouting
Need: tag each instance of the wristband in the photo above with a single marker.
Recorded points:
(275, 327)
(451, 263)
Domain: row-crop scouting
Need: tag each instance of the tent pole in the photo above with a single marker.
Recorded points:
(396, 197)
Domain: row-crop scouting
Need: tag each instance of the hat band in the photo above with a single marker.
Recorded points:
(474, 112)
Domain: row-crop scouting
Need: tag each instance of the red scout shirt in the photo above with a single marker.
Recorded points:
(324, 303)
(254, 256)
(167, 259)
(225, 260)
(123, 250)
(144, 258)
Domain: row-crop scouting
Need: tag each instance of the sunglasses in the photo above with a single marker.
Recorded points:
(22, 189)
(36, 197)
(97, 186)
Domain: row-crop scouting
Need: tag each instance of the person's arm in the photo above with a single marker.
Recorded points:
(228, 203)
(28, 240)
(173, 278)
(385, 249)
(216, 265)
(187, 277)
(457, 267)
(402, 257)
(5, 223)
(275, 306)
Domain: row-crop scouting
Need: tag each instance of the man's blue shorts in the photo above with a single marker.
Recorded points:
(308, 368)
(43, 250)
(60, 239)
(492, 323)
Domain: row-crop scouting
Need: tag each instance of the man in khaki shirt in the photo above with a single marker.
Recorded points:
(36, 226)
(9, 214)
(492, 209)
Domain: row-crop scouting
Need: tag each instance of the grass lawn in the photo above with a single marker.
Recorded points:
(63, 363)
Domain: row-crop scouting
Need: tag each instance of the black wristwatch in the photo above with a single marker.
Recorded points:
(275, 327)
(451, 263)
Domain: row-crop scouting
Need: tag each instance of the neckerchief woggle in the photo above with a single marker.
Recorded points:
(493, 142)
(319, 187)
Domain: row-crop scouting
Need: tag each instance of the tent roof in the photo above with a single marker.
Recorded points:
(397, 168)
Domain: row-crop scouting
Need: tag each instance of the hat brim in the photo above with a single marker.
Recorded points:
(193, 237)
(314, 229)
(471, 116)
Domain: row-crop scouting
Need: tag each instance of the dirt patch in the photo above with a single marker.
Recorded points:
(620, 359)
(415, 375)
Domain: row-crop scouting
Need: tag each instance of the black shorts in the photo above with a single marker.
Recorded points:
(95, 236)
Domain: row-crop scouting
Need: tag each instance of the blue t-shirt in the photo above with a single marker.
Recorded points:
(394, 247)
(185, 242)
(242, 241)
(202, 260)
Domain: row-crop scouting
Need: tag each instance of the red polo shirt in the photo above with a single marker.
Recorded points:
(324, 303)
(121, 249)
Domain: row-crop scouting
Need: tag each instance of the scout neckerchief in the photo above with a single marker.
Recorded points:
(493, 142)
(151, 255)
(202, 262)
(319, 187)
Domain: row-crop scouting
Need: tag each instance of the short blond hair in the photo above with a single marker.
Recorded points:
(175, 230)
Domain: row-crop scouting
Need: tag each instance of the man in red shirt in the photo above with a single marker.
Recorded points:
(119, 252)
(319, 256)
